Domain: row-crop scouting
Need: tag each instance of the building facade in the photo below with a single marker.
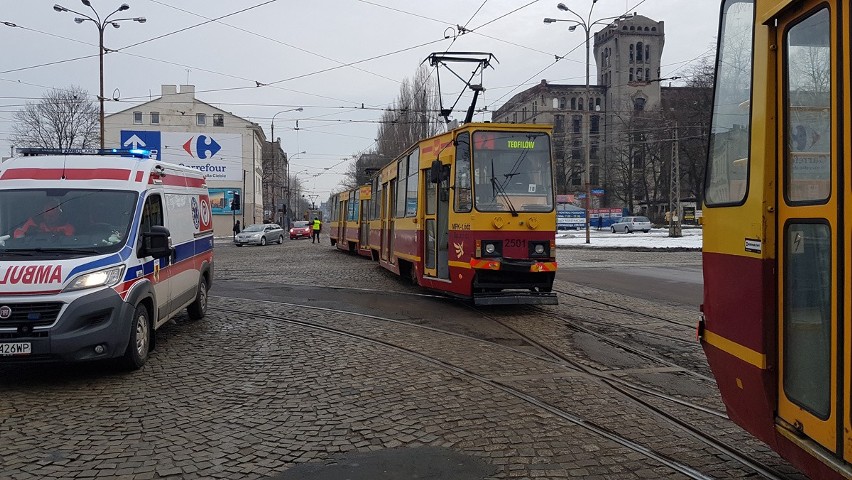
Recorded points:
(179, 128)
(626, 87)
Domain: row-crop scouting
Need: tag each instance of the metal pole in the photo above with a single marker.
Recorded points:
(101, 96)
(586, 134)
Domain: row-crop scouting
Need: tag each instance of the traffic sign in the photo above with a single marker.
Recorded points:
(145, 139)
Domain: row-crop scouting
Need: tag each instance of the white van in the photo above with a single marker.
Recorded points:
(97, 252)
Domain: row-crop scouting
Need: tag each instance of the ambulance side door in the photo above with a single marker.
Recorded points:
(156, 269)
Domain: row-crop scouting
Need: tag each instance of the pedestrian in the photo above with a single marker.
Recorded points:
(317, 226)
(237, 228)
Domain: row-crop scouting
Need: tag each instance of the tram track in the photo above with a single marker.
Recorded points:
(603, 432)
(624, 387)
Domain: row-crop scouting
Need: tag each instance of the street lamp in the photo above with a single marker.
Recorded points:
(586, 24)
(101, 24)
(289, 158)
(286, 165)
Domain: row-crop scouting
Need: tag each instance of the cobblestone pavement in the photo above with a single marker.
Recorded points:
(249, 393)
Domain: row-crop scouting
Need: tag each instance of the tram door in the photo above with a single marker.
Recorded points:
(390, 211)
(810, 300)
(383, 213)
(436, 221)
(341, 221)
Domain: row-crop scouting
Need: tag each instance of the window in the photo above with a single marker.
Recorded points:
(524, 114)
(515, 117)
(638, 74)
(558, 123)
(413, 183)
(647, 74)
(808, 110)
(591, 103)
(573, 103)
(137, 118)
(728, 162)
(201, 119)
(401, 192)
(562, 103)
(631, 53)
(580, 104)
(639, 50)
(152, 214)
(598, 104)
(631, 74)
(647, 53)
(595, 125)
(155, 118)
(535, 109)
(807, 312)
(463, 201)
(576, 123)
(218, 120)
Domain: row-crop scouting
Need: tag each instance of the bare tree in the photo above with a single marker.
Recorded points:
(412, 117)
(63, 118)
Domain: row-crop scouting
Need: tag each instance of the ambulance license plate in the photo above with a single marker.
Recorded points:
(9, 349)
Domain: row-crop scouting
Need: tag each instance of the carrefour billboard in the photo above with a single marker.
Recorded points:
(218, 156)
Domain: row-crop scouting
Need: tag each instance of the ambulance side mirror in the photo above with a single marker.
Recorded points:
(156, 243)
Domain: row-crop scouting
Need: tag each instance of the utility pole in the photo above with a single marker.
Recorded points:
(674, 188)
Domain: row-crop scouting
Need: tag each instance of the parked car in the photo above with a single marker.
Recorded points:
(300, 230)
(632, 224)
(260, 234)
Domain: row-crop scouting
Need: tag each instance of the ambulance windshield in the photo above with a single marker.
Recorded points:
(64, 222)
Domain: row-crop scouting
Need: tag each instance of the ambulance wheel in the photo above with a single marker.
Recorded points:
(140, 339)
(197, 309)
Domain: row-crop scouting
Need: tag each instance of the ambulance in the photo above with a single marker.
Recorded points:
(97, 251)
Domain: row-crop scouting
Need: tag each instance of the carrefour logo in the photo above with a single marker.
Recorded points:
(203, 147)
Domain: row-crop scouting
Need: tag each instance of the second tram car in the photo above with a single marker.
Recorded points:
(470, 212)
(777, 214)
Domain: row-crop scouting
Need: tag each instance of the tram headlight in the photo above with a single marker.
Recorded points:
(540, 249)
(491, 248)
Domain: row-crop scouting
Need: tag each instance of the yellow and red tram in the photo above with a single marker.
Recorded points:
(469, 212)
(777, 215)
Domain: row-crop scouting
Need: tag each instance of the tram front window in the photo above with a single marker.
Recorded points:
(511, 172)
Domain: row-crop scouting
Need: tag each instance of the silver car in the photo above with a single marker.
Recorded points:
(260, 234)
(632, 224)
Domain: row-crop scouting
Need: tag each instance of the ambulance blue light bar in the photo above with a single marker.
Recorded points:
(120, 152)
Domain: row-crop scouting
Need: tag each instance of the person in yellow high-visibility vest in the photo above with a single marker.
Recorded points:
(317, 225)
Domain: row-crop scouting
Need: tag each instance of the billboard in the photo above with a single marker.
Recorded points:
(218, 156)
(220, 200)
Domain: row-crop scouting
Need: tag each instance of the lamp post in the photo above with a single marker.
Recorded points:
(274, 167)
(289, 158)
(101, 24)
(586, 24)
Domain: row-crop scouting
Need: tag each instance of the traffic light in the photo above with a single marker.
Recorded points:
(235, 202)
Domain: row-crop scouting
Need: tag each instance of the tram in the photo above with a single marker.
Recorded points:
(469, 212)
(775, 323)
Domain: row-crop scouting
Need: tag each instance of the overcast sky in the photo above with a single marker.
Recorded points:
(300, 47)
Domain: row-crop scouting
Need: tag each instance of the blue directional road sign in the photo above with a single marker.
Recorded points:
(144, 139)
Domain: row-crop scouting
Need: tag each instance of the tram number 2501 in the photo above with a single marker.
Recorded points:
(516, 243)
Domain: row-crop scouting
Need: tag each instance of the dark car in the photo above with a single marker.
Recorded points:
(300, 230)
(260, 234)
